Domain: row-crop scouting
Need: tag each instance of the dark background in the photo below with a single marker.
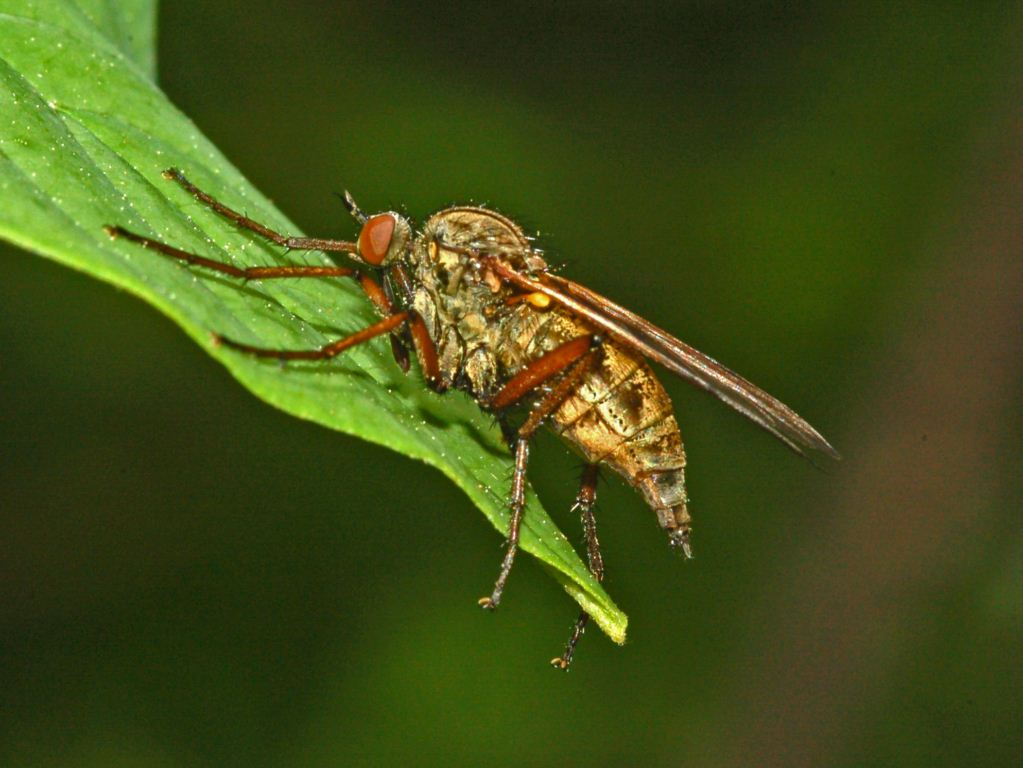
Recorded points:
(826, 199)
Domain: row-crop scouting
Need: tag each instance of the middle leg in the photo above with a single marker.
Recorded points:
(333, 349)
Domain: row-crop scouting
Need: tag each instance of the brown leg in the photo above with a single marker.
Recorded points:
(373, 290)
(517, 502)
(243, 273)
(584, 502)
(371, 287)
(296, 243)
(574, 359)
(425, 351)
(330, 350)
(539, 371)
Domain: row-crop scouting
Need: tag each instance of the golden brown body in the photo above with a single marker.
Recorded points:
(485, 315)
(619, 415)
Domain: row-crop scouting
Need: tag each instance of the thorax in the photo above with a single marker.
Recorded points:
(482, 336)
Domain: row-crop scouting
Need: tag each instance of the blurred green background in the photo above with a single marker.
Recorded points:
(825, 198)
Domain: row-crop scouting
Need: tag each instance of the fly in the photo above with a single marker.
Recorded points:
(478, 306)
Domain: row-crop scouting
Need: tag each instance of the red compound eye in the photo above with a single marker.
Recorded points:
(375, 238)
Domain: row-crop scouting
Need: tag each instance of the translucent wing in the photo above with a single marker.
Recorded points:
(677, 356)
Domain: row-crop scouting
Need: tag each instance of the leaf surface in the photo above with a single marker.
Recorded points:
(85, 134)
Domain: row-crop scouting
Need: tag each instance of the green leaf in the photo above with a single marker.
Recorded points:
(130, 25)
(84, 137)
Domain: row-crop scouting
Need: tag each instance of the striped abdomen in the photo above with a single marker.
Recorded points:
(621, 416)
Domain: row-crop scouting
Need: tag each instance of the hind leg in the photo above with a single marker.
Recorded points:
(571, 361)
(584, 502)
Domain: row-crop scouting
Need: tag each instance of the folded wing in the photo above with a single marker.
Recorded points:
(677, 356)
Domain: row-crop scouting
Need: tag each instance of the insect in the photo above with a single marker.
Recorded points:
(477, 305)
